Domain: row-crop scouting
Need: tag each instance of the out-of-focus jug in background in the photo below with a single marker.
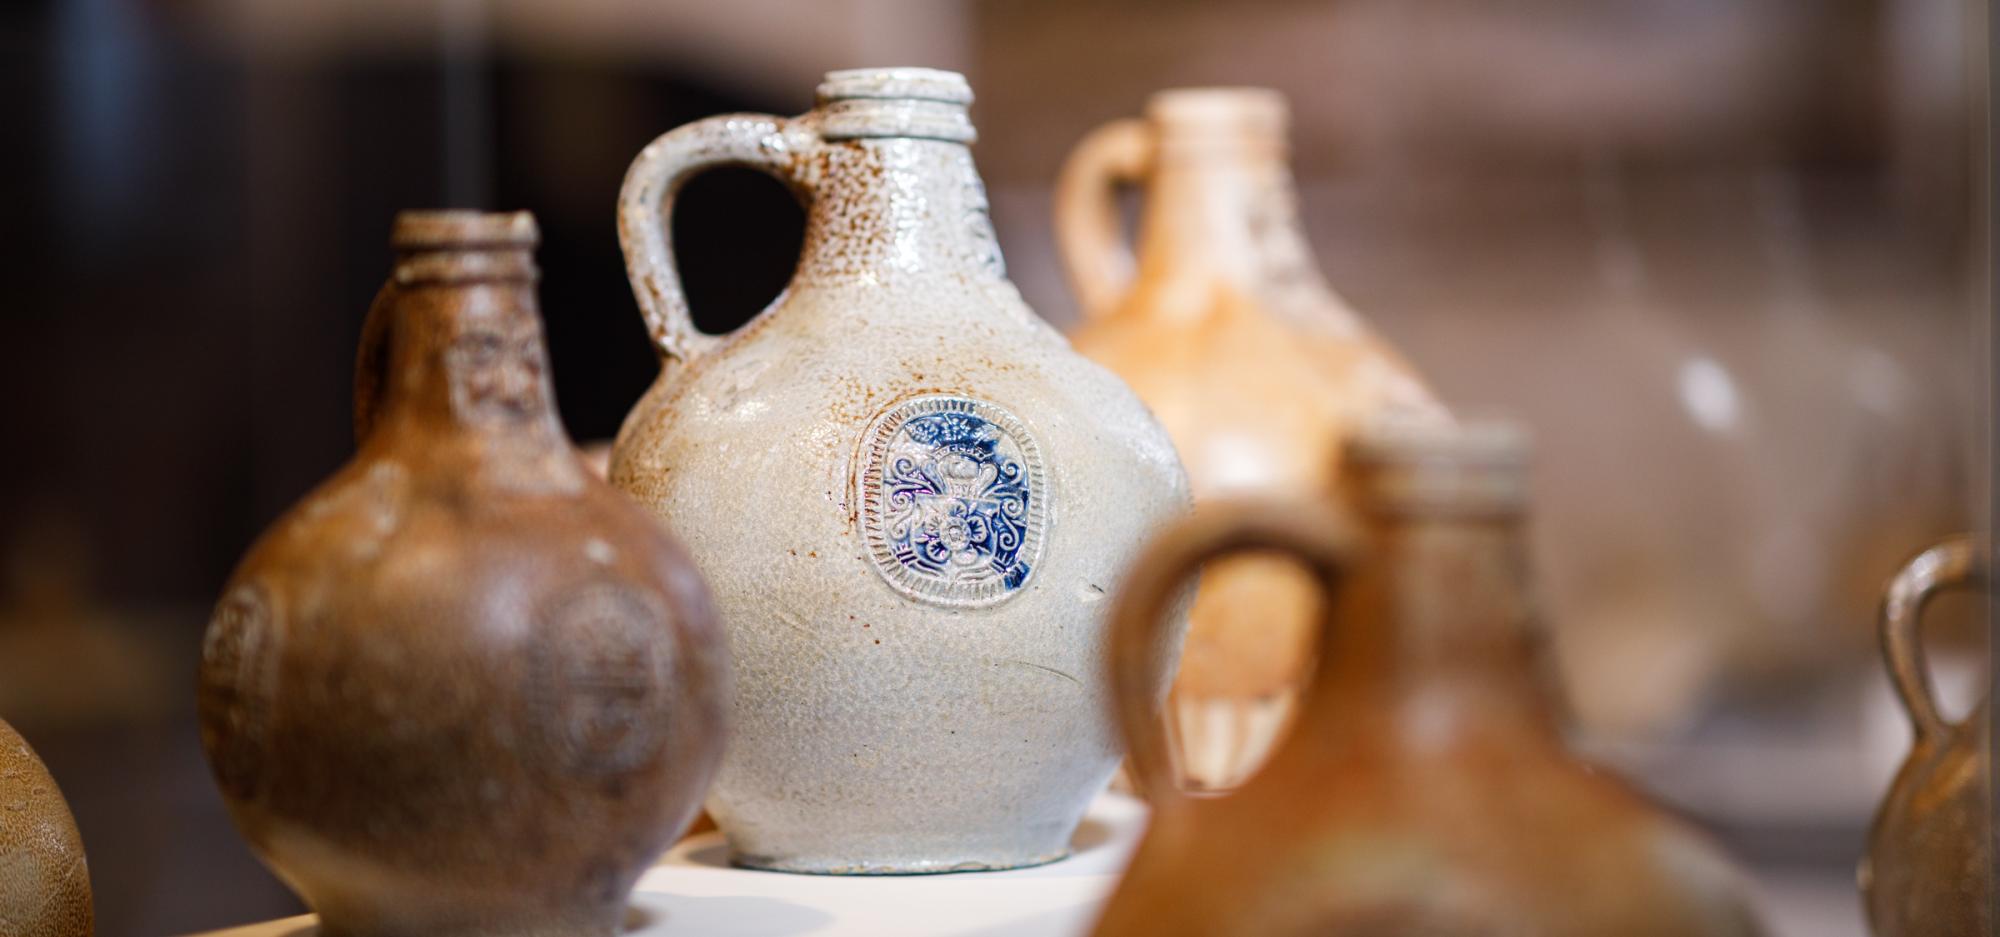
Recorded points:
(1425, 788)
(1256, 367)
(911, 497)
(44, 880)
(463, 687)
(1928, 871)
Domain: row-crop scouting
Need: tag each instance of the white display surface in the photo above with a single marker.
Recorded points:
(694, 891)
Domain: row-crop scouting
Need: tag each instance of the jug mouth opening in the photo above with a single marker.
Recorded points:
(462, 246)
(1437, 468)
(926, 103)
(464, 229)
(1215, 119)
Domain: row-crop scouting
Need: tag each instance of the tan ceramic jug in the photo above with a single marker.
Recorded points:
(1255, 366)
(44, 881)
(1929, 867)
(910, 496)
(464, 687)
(1424, 788)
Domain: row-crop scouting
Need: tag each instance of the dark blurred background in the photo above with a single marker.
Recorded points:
(1719, 255)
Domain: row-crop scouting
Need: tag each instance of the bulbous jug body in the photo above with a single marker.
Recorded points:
(910, 496)
(1257, 368)
(464, 687)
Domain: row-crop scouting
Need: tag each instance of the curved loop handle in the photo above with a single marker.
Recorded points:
(371, 363)
(1141, 650)
(777, 146)
(1956, 562)
(1089, 232)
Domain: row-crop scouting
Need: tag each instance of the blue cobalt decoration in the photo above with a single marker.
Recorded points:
(952, 498)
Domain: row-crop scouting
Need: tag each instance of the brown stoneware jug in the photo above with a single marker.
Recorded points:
(1424, 788)
(1928, 871)
(1255, 366)
(44, 882)
(464, 687)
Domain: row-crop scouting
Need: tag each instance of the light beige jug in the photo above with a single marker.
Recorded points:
(910, 497)
(1257, 369)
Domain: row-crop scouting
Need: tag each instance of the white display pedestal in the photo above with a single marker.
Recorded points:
(693, 892)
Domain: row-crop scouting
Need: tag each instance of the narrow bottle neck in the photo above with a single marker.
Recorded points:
(1226, 214)
(1437, 632)
(886, 210)
(462, 366)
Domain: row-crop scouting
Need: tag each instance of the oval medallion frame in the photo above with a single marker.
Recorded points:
(954, 500)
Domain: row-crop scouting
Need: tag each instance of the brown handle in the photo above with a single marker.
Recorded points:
(1143, 652)
(371, 363)
(1088, 231)
(1956, 562)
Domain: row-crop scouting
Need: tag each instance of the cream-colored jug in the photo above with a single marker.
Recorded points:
(1256, 367)
(909, 496)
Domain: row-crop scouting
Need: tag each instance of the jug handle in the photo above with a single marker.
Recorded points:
(1955, 562)
(371, 363)
(778, 146)
(1088, 230)
(1309, 532)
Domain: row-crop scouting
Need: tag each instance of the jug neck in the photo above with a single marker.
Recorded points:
(1220, 203)
(452, 353)
(895, 195)
(1437, 632)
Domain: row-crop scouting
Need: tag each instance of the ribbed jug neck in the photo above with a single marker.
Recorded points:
(453, 348)
(1438, 625)
(1220, 202)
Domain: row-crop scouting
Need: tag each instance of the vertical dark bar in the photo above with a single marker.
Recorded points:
(467, 104)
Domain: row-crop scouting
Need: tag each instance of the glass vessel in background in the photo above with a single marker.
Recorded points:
(1425, 787)
(1257, 368)
(910, 496)
(1928, 871)
(463, 687)
(44, 880)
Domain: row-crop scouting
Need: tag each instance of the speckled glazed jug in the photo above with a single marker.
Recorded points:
(44, 881)
(463, 688)
(1424, 788)
(1255, 366)
(910, 496)
(1928, 871)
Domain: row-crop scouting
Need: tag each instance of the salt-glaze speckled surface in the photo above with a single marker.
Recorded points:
(1256, 367)
(44, 881)
(464, 687)
(910, 496)
(1928, 871)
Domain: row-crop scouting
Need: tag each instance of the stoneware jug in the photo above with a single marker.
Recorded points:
(464, 687)
(910, 496)
(1424, 788)
(1928, 871)
(1257, 369)
(44, 882)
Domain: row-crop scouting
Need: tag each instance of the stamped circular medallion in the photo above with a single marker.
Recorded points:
(954, 503)
(601, 667)
(238, 673)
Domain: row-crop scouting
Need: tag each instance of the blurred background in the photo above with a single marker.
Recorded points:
(1724, 258)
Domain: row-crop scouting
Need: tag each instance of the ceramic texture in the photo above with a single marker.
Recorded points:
(1425, 788)
(910, 496)
(44, 880)
(464, 687)
(1256, 367)
(1928, 871)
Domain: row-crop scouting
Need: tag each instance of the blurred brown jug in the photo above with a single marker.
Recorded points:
(1256, 368)
(1424, 789)
(1928, 868)
(464, 687)
(44, 882)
